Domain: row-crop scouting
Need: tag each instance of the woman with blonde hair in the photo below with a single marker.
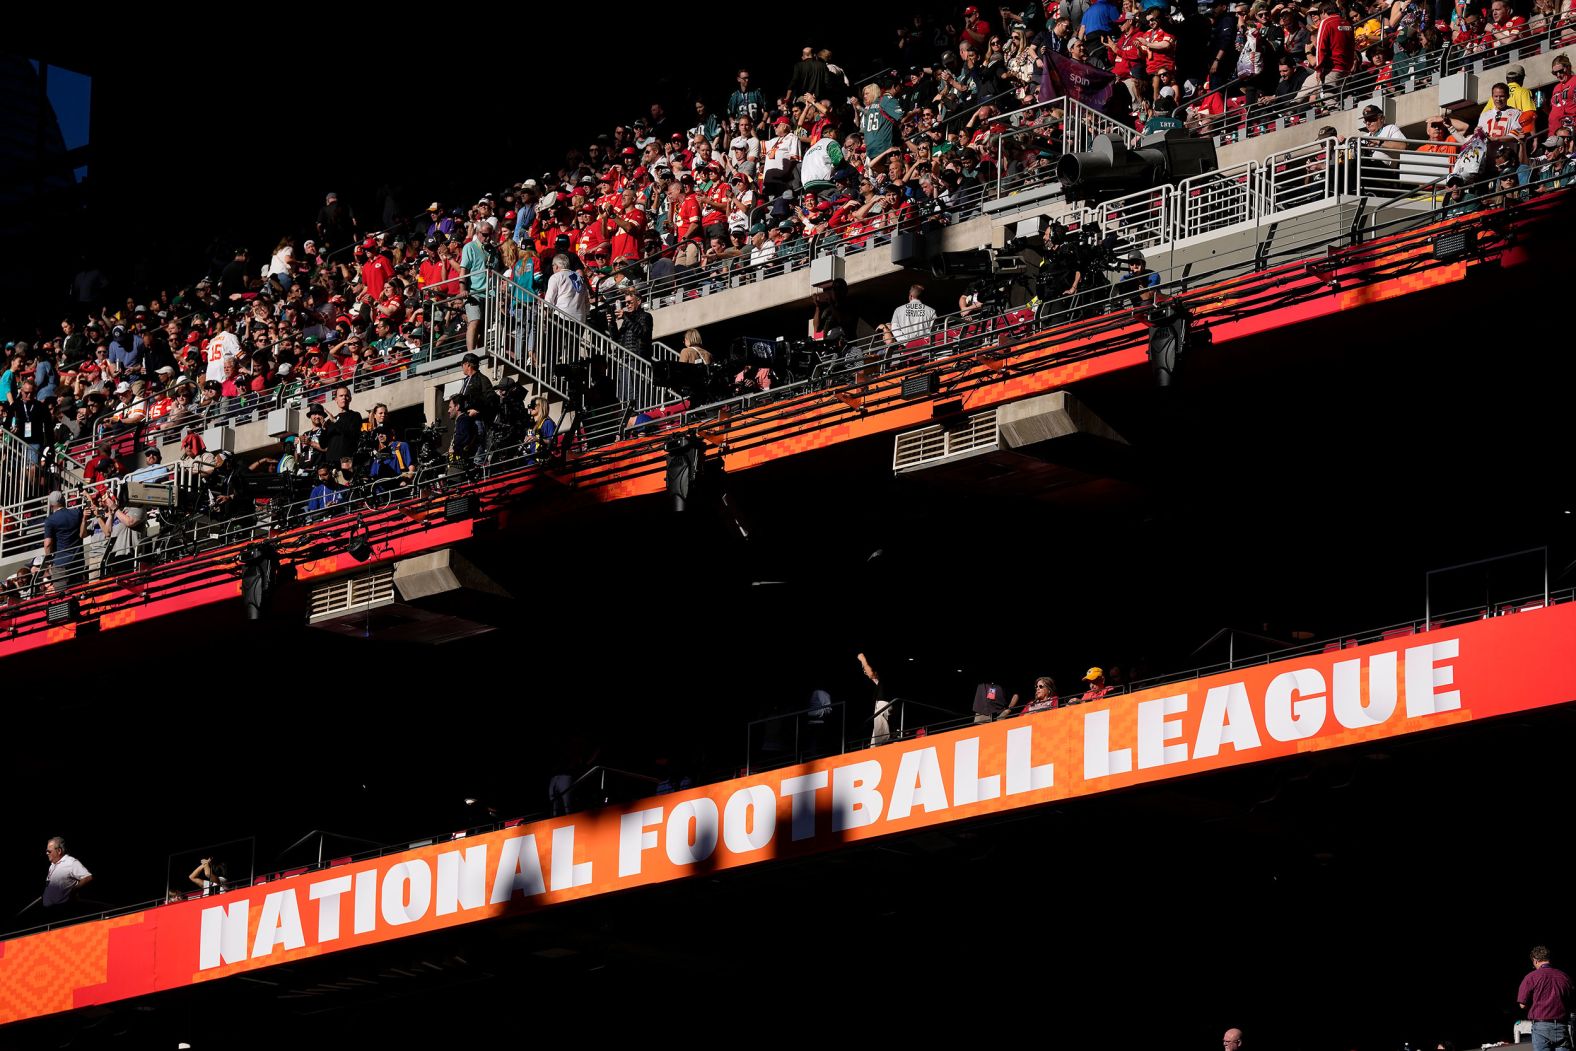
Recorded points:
(693, 353)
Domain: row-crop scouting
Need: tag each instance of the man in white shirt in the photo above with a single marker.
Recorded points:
(782, 152)
(913, 319)
(762, 248)
(566, 289)
(66, 877)
(1498, 120)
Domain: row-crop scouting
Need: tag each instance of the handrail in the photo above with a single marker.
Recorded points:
(1403, 75)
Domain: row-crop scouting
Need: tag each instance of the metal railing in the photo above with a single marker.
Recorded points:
(547, 346)
(1405, 74)
(1064, 125)
(1389, 168)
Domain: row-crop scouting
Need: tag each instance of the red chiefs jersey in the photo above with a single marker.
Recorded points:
(1158, 60)
(626, 246)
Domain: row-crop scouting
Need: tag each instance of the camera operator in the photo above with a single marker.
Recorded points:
(465, 439)
(509, 424)
(634, 325)
(229, 497)
(1063, 272)
(973, 301)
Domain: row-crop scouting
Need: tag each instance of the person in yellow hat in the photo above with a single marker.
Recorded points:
(1095, 677)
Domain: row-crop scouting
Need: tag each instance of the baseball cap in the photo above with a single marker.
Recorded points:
(1514, 73)
(310, 341)
(434, 207)
(162, 369)
(1094, 673)
(122, 387)
(781, 121)
(284, 368)
(316, 409)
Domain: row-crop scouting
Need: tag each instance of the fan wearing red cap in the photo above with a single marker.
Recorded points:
(375, 272)
(782, 152)
(976, 30)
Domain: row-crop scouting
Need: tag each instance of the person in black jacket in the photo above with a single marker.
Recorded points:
(634, 326)
(476, 393)
(30, 420)
(342, 434)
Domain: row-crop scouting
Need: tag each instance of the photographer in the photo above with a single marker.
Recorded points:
(634, 325)
(122, 529)
(391, 457)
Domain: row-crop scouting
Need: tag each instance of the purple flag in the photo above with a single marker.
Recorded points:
(1077, 80)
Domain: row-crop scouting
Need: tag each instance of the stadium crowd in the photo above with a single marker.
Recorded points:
(755, 181)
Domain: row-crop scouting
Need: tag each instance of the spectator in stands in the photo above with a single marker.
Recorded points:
(29, 419)
(67, 876)
(1498, 120)
(746, 101)
(1548, 997)
(63, 533)
(1439, 138)
(474, 261)
(913, 319)
(1232, 1041)
(1095, 677)
(567, 290)
(1555, 167)
(210, 875)
(879, 123)
(152, 471)
(635, 325)
(1562, 97)
(1334, 50)
(336, 224)
(1292, 80)
(1044, 698)
(881, 726)
(1520, 99)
